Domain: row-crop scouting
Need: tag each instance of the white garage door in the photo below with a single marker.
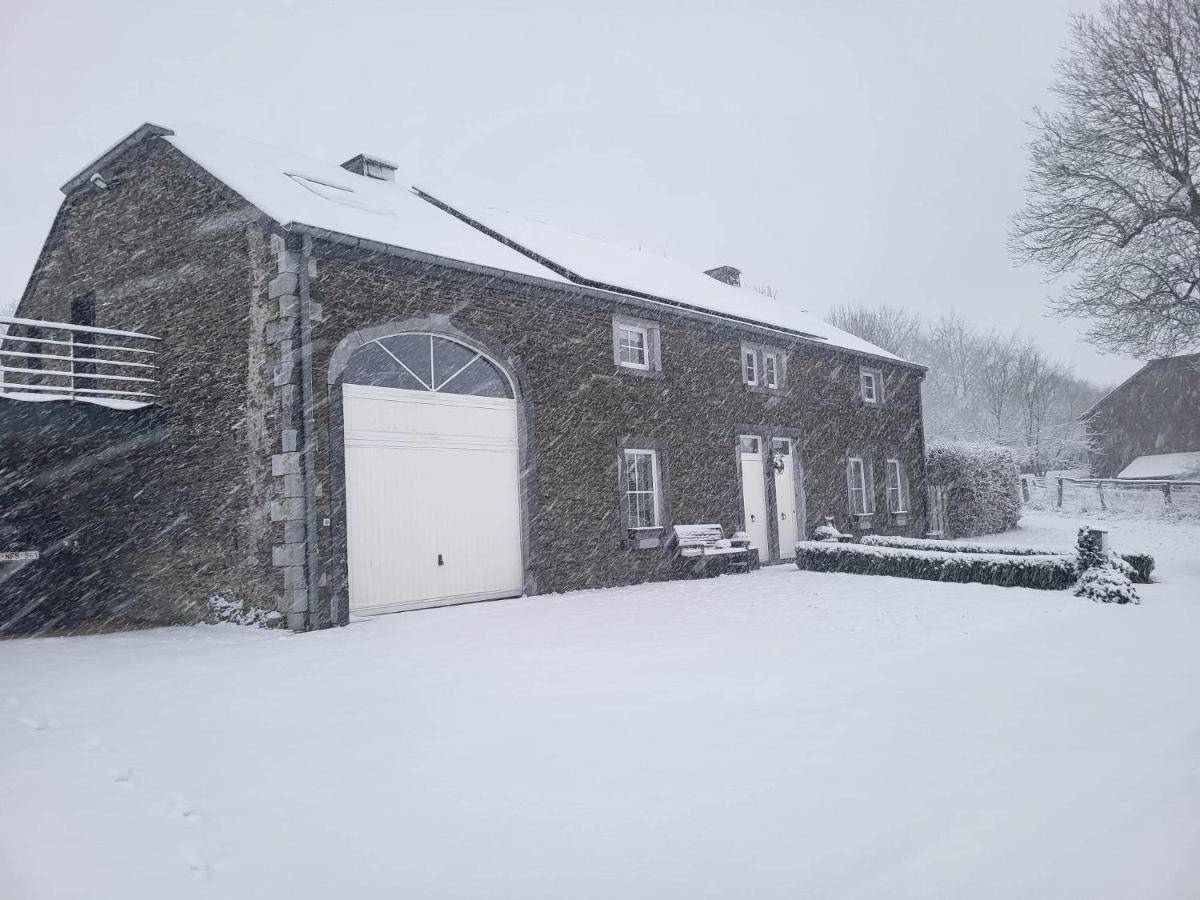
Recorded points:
(433, 508)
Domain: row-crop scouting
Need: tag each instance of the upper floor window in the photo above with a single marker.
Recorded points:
(770, 369)
(750, 366)
(762, 367)
(871, 386)
(633, 347)
(636, 345)
(897, 492)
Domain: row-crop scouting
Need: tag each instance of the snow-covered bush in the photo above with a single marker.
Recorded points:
(1103, 576)
(983, 487)
(1139, 565)
(237, 612)
(826, 533)
(1052, 572)
(1106, 585)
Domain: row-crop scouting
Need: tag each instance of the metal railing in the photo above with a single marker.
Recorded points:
(78, 362)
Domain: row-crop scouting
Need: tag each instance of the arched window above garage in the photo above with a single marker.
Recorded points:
(426, 362)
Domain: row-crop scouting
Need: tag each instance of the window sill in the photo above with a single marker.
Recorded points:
(763, 389)
(862, 522)
(644, 538)
(639, 373)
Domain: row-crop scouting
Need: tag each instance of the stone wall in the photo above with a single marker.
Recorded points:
(581, 408)
(168, 254)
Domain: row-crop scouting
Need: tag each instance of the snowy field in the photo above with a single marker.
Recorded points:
(782, 734)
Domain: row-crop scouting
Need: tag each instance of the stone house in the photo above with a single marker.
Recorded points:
(1153, 413)
(375, 397)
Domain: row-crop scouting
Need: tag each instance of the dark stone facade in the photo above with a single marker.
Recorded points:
(252, 464)
(1157, 410)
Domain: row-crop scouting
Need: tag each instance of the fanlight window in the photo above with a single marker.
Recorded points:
(426, 362)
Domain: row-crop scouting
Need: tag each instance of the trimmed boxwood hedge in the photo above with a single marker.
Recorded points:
(1050, 572)
(1142, 563)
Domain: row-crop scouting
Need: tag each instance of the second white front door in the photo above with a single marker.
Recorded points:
(786, 519)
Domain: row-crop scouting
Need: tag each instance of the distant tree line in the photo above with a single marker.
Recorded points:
(995, 386)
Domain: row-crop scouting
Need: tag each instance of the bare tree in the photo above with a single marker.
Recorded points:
(1114, 188)
(996, 381)
(1037, 380)
(890, 327)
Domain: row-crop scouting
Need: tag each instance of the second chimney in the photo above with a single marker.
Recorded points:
(726, 275)
(372, 167)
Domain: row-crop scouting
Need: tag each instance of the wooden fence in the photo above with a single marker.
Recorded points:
(1134, 497)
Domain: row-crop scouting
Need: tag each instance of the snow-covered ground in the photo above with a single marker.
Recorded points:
(782, 734)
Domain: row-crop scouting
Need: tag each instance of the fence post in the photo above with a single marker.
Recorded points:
(1100, 491)
(1167, 494)
(1060, 491)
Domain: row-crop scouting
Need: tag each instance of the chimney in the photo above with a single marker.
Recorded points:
(372, 167)
(726, 275)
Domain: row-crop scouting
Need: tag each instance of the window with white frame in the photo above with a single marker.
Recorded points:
(770, 369)
(636, 345)
(862, 491)
(896, 493)
(750, 366)
(633, 346)
(871, 386)
(641, 490)
(762, 367)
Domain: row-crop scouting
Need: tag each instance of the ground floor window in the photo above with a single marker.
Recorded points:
(641, 490)
(897, 493)
(862, 491)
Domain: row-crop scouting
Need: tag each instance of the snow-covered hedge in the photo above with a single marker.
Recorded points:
(1050, 572)
(1142, 564)
(983, 486)
(907, 543)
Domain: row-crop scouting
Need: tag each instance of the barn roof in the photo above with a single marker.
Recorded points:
(297, 190)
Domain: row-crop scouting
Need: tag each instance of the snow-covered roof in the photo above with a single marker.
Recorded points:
(1179, 466)
(604, 264)
(293, 188)
(297, 190)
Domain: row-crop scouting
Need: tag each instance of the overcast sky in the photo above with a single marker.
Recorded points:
(839, 151)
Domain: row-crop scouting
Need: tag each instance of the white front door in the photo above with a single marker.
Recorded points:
(754, 493)
(786, 519)
(433, 510)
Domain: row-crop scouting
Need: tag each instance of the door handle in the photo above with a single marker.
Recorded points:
(783, 515)
(440, 562)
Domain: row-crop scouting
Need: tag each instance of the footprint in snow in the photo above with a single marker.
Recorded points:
(91, 743)
(186, 811)
(198, 864)
(34, 724)
(125, 778)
